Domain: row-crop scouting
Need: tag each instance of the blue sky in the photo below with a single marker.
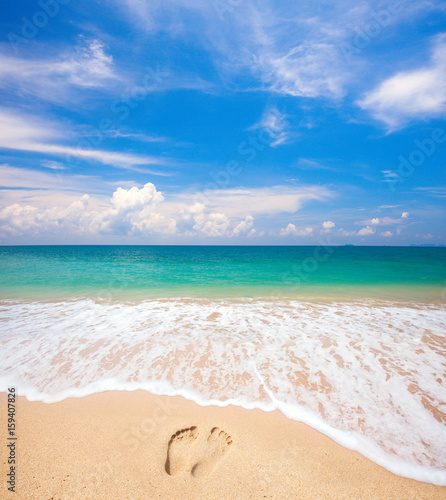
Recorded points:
(223, 122)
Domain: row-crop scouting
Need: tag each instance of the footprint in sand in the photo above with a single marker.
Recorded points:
(217, 445)
(179, 450)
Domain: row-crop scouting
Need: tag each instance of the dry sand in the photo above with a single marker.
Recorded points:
(121, 445)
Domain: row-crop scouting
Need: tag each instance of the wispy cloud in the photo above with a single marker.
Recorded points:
(437, 192)
(87, 66)
(307, 70)
(28, 133)
(289, 50)
(262, 201)
(27, 178)
(135, 136)
(309, 164)
(276, 124)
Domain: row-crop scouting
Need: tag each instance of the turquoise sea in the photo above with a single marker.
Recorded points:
(221, 271)
(349, 340)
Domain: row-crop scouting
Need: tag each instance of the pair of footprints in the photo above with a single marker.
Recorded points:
(183, 449)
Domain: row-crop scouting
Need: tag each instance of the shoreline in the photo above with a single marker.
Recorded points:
(115, 445)
(435, 299)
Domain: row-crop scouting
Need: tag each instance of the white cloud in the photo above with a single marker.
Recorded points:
(275, 123)
(133, 211)
(408, 95)
(273, 200)
(389, 174)
(135, 136)
(328, 225)
(18, 128)
(130, 199)
(214, 225)
(292, 230)
(383, 221)
(308, 70)
(199, 219)
(28, 133)
(366, 231)
(244, 227)
(18, 219)
(85, 66)
(405, 215)
(54, 165)
(437, 191)
(387, 234)
(343, 232)
(147, 13)
(308, 164)
(129, 212)
(289, 49)
(128, 161)
(16, 178)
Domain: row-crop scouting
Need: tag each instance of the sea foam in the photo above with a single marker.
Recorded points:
(369, 374)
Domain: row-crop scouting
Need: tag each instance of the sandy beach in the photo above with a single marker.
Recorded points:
(134, 445)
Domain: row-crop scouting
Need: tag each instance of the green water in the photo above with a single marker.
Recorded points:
(221, 271)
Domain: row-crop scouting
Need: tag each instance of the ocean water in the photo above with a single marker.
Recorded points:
(141, 272)
(350, 340)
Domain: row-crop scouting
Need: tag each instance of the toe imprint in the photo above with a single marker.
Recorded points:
(217, 445)
(179, 450)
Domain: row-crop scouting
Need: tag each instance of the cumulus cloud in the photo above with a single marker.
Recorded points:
(133, 211)
(405, 215)
(292, 230)
(19, 219)
(130, 199)
(328, 224)
(203, 221)
(344, 232)
(387, 234)
(244, 227)
(366, 231)
(420, 93)
(199, 219)
(383, 221)
(130, 211)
